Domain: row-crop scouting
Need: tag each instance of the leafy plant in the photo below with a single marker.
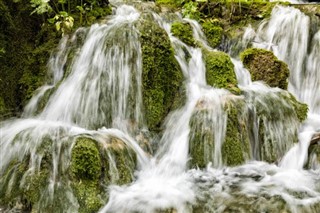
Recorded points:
(41, 6)
(62, 21)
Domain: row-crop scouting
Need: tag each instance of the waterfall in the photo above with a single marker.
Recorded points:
(100, 87)
(93, 102)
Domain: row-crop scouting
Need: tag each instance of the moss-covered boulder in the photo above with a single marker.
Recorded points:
(229, 145)
(95, 165)
(68, 174)
(183, 31)
(265, 66)
(161, 75)
(213, 31)
(220, 70)
(274, 118)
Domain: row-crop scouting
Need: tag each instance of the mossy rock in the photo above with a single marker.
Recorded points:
(220, 71)
(183, 31)
(274, 119)
(161, 75)
(264, 66)
(235, 148)
(213, 31)
(85, 160)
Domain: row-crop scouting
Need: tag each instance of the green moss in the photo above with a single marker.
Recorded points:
(161, 75)
(220, 70)
(284, 116)
(264, 66)
(35, 185)
(183, 31)
(201, 139)
(88, 196)
(213, 31)
(85, 160)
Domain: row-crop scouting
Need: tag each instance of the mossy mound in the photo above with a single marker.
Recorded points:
(72, 174)
(264, 66)
(161, 75)
(220, 71)
(213, 31)
(183, 31)
(235, 145)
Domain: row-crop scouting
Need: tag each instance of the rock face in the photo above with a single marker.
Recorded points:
(264, 66)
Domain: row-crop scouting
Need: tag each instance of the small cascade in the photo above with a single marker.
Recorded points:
(114, 80)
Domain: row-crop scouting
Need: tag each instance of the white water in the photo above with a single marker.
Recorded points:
(284, 35)
(164, 181)
(114, 80)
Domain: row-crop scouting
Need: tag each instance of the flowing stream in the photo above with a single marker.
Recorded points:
(99, 94)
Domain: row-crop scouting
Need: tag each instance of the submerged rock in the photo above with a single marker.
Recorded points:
(264, 66)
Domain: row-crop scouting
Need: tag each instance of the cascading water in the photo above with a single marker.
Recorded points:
(96, 90)
(102, 88)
